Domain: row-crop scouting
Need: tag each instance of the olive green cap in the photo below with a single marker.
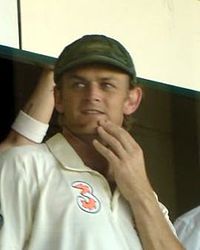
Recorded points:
(94, 49)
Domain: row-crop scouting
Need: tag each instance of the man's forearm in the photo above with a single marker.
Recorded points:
(153, 229)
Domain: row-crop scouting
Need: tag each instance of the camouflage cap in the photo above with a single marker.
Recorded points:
(94, 49)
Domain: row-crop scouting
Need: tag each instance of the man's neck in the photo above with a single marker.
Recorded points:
(83, 145)
(84, 148)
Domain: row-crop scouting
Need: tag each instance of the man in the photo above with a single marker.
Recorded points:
(86, 188)
(188, 229)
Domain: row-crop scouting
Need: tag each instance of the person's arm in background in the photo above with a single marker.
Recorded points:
(31, 124)
(188, 228)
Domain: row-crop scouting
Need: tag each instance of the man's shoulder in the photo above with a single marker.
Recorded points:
(24, 150)
(25, 156)
(30, 163)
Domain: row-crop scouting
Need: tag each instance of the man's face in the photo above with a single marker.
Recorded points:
(89, 94)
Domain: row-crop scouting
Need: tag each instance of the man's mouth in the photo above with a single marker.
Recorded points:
(92, 112)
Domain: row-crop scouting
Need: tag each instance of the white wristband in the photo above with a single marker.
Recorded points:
(29, 127)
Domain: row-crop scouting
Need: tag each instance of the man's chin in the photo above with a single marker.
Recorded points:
(85, 129)
(89, 131)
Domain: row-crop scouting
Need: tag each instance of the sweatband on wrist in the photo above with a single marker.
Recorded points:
(29, 127)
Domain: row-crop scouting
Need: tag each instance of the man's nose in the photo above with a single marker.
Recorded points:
(94, 92)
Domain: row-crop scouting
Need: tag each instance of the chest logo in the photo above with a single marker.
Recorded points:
(86, 200)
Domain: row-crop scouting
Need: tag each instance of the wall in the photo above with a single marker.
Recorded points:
(163, 36)
(9, 34)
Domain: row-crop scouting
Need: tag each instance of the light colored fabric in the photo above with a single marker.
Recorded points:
(51, 200)
(188, 229)
(29, 127)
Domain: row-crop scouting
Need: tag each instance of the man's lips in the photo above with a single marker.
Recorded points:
(92, 111)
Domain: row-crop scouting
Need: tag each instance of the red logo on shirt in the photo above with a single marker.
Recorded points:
(86, 200)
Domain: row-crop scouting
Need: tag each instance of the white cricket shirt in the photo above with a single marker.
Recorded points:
(51, 201)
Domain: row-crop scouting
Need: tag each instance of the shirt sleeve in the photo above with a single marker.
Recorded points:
(166, 214)
(16, 202)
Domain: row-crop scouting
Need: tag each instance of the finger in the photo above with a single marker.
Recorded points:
(105, 152)
(112, 143)
(120, 134)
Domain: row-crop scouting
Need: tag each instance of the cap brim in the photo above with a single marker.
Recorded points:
(94, 59)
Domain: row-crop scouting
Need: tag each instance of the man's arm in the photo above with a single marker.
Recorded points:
(32, 122)
(41, 103)
(126, 161)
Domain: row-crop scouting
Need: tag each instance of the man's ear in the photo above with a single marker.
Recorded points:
(133, 101)
(58, 100)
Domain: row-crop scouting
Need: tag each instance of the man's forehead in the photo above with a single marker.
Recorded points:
(95, 75)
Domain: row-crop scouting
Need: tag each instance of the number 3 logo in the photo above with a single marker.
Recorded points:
(86, 201)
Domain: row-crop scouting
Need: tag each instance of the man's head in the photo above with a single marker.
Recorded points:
(95, 49)
(95, 79)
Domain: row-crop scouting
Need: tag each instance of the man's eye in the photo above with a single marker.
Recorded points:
(108, 85)
(79, 85)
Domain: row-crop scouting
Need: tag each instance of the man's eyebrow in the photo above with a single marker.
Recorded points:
(76, 77)
(73, 76)
(109, 78)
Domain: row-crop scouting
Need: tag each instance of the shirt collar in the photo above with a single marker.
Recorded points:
(64, 153)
